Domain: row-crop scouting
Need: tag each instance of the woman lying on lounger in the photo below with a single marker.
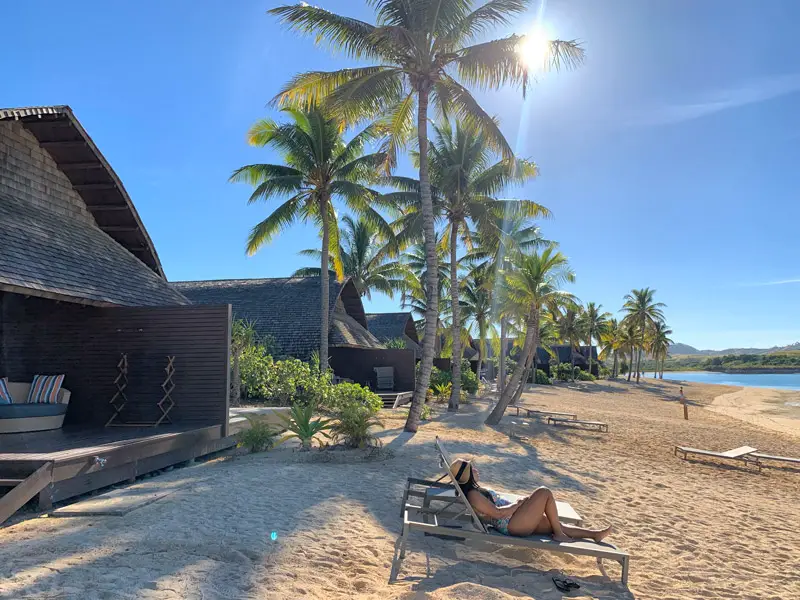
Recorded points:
(536, 513)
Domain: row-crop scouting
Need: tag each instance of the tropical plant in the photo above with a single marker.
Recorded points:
(353, 426)
(659, 346)
(426, 412)
(595, 326)
(570, 329)
(442, 391)
(301, 424)
(628, 339)
(420, 48)
(541, 378)
(476, 302)
(643, 312)
(469, 380)
(396, 343)
(535, 283)
(259, 436)
(610, 344)
(345, 396)
(243, 334)
(319, 167)
(365, 257)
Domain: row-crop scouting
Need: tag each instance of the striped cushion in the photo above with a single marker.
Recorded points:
(44, 389)
(5, 395)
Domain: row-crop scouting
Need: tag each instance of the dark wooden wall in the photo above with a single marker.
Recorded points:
(85, 343)
(357, 364)
(443, 364)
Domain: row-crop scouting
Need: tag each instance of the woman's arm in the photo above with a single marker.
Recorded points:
(486, 507)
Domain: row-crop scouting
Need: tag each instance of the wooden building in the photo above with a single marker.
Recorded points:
(83, 294)
(395, 326)
(286, 312)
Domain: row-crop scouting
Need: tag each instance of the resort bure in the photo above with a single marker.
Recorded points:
(410, 331)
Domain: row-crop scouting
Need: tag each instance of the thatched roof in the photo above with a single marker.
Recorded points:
(391, 326)
(287, 310)
(62, 254)
(57, 257)
(60, 133)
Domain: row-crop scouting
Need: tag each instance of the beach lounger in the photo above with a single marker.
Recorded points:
(532, 412)
(416, 518)
(574, 422)
(788, 459)
(743, 454)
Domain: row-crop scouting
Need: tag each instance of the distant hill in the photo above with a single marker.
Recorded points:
(675, 349)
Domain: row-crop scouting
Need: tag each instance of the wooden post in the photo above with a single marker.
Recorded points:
(685, 411)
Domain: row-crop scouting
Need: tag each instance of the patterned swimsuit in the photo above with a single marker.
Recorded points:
(501, 525)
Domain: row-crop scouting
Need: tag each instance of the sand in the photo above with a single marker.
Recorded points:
(778, 410)
(694, 529)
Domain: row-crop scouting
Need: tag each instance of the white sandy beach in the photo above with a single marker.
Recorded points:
(694, 529)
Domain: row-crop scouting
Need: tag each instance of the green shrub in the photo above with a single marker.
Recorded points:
(469, 380)
(584, 376)
(442, 391)
(281, 382)
(303, 426)
(426, 412)
(396, 343)
(604, 372)
(261, 436)
(346, 395)
(255, 366)
(541, 378)
(563, 371)
(439, 377)
(353, 426)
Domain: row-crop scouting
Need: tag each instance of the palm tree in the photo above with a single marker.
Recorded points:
(595, 324)
(610, 343)
(420, 48)
(477, 304)
(643, 312)
(629, 338)
(465, 178)
(535, 283)
(659, 346)
(243, 334)
(570, 327)
(319, 166)
(365, 257)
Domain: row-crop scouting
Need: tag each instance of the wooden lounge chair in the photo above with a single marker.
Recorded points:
(788, 459)
(574, 422)
(533, 412)
(743, 454)
(416, 518)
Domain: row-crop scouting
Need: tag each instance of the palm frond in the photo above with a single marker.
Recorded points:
(313, 87)
(369, 96)
(280, 219)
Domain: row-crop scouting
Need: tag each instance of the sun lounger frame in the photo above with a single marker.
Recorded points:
(788, 459)
(534, 412)
(416, 518)
(601, 426)
(744, 454)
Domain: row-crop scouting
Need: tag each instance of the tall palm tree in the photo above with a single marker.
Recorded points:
(319, 167)
(595, 324)
(421, 47)
(365, 257)
(643, 312)
(535, 283)
(465, 179)
(629, 338)
(610, 344)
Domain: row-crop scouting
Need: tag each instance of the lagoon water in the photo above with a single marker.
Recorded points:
(782, 381)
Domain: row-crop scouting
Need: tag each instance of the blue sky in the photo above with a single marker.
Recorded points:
(669, 159)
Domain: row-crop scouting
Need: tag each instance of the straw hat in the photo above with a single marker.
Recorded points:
(461, 470)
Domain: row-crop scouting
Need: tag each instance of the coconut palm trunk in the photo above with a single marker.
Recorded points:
(324, 280)
(531, 342)
(529, 366)
(455, 361)
(616, 364)
(432, 262)
(501, 367)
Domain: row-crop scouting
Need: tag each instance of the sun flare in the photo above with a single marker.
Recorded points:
(535, 49)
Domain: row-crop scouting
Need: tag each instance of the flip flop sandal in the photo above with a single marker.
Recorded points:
(563, 584)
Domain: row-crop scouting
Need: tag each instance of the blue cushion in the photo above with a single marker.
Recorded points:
(21, 411)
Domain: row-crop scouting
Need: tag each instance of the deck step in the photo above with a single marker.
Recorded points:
(10, 482)
(22, 492)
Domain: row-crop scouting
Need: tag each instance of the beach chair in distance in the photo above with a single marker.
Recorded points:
(743, 454)
(533, 412)
(601, 426)
(415, 519)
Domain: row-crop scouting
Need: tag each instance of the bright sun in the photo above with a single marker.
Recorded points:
(535, 49)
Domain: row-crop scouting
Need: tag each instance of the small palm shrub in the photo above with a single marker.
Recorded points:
(426, 412)
(353, 427)
(261, 436)
(542, 378)
(302, 424)
(396, 343)
(441, 391)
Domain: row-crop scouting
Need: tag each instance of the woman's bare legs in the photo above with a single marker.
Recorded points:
(527, 519)
(539, 514)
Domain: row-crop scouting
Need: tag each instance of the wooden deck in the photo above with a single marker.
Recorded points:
(395, 399)
(85, 459)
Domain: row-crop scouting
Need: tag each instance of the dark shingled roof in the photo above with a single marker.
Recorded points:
(288, 310)
(60, 257)
(59, 132)
(391, 326)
